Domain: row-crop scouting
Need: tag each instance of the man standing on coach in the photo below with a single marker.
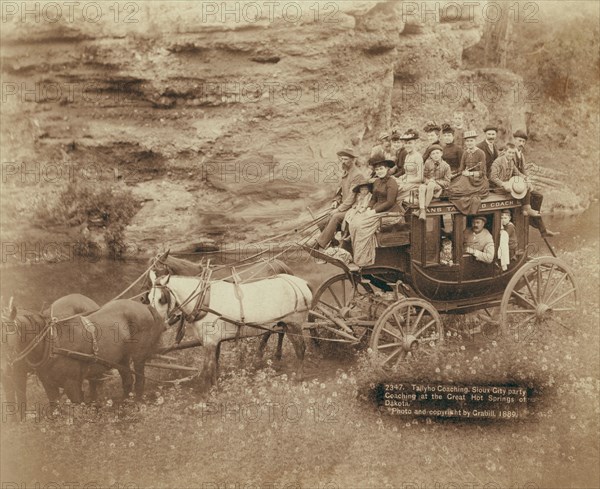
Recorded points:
(488, 146)
(536, 198)
(351, 175)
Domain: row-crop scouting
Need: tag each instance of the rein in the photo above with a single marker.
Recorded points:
(54, 321)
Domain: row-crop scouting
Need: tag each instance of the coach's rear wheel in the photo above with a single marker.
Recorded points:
(411, 327)
(542, 292)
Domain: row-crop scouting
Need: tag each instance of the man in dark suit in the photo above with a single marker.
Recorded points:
(488, 146)
(537, 198)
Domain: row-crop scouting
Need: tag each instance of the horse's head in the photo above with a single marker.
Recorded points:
(160, 296)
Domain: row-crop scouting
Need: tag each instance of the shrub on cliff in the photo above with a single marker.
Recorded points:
(101, 205)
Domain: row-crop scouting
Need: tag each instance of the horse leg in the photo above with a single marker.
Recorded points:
(74, 389)
(297, 339)
(94, 383)
(264, 339)
(139, 365)
(209, 370)
(126, 379)
(280, 335)
(52, 392)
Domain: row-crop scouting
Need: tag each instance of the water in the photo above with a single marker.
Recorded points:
(36, 285)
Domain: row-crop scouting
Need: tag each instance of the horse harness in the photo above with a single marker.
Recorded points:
(202, 309)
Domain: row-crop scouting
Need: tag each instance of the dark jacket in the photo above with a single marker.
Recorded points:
(385, 191)
(489, 157)
(452, 155)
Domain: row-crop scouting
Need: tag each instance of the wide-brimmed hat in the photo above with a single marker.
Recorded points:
(431, 126)
(447, 128)
(520, 134)
(490, 127)
(347, 152)
(518, 187)
(361, 183)
(378, 162)
(410, 135)
(469, 134)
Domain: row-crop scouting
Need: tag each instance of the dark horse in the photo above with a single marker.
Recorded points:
(165, 264)
(14, 330)
(86, 347)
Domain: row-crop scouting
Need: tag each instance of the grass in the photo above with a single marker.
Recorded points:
(262, 427)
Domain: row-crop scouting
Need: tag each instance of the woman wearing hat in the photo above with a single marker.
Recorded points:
(413, 166)
(364, 225)
(471, 185)
(363, 198)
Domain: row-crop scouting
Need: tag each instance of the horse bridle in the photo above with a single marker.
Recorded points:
(165, 298)
(31, 345)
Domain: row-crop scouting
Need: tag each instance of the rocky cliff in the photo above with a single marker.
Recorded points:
(224, 118)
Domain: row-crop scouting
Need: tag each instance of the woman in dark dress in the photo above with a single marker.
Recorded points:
(364, 225)
(471, 185)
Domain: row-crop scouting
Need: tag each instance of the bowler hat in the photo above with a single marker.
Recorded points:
(410, 135)
(518, 187)
(520, 134)
(377, 162)
(347, 152)
(490, 127)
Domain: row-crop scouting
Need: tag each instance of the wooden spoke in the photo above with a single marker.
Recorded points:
(424, 328)
(555, 286)
(518, 311)
(538, 285)
(389, 345)
(335, 297)
(399, 350)
(334, 308)
(523, 298)
(398, 322)
(570, 291)
(530, 289)
(419, 317)
(393, 334)
(413, 317)
(548, 281)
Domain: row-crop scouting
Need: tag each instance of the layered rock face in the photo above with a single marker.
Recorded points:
(225, 117)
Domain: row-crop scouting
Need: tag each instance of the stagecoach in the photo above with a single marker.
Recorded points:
(396, 305)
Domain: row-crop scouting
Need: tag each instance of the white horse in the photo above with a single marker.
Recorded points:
(282, 300)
